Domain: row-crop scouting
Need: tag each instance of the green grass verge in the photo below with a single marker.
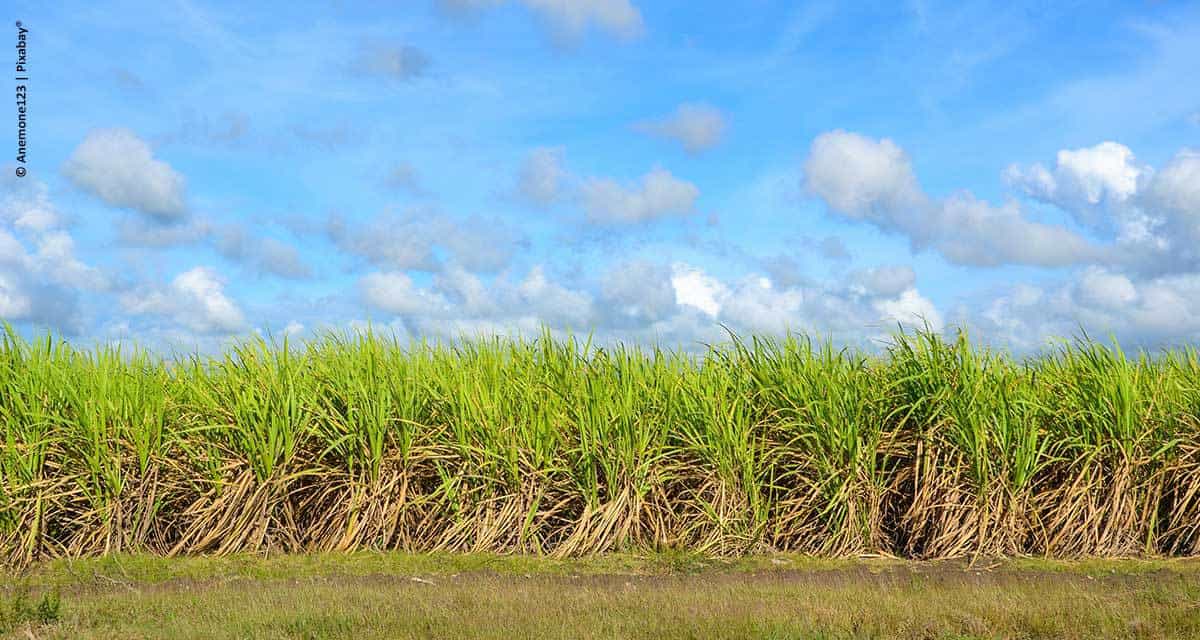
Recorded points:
(397, 595)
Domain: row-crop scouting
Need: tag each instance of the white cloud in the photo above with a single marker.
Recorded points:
(207, 306)
(660, 194)
(194, 299)
(27, 205)
(694, 288)
(1105, 170)
(31, 214)
(1103, 289)
(15, 303)
(466, 290)
(755, 305)
(553, 302)
(396, 293)
(886, 280)
(56, 259)
(1176, 187)
(973, 232)
(864, 179)
(119, 168)
(697, 126)
(40, 276)
(12, 252)
(1082, 180)
(1172, 194)
(459, 301)
(639, 290)
(911, 310)
(1138, 311)
(640, 300)
(1152, 216)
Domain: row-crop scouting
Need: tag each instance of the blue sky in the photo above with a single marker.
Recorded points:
(644, 171)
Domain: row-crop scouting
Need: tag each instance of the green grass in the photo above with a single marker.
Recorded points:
(933, 448)
(677, 595)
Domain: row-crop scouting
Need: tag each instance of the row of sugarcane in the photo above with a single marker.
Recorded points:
(929, 448)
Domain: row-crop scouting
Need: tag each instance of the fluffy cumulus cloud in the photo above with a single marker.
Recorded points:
(553, 302)
(756, 305)
(466, 291)
(1135, 268)
(1150, 217)
(194, 299)
(659, 194)
(395, 292)
(1175, 189)
(1170, 202)
(864, 179)
(1148, 312)
(973, 232)
(1140, 311)
(873, 180)
(458, 302)
(15, 303)
(638, 291)
(36, 290)
(910, 309)
(696, 289)
(641, 300)
(569, 19)
(886, 280)
(848, 309)
(697, 127)
(1143, 287)
(1082, 179)
(1101, 289)
(41, 276)
(118, 167)
(26, 205)
(55, 260)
